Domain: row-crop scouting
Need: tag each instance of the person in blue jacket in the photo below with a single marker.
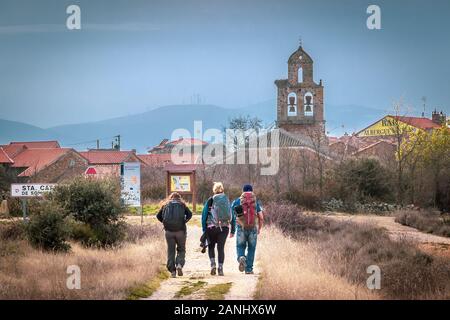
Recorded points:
(248, 228)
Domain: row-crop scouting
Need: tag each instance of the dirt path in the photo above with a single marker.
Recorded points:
(396, 230)
(197, 273)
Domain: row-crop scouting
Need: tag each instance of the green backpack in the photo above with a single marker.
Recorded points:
(220, 210)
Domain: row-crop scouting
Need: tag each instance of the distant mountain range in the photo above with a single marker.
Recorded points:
(147, 129)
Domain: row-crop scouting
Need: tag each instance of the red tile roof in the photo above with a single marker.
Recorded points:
(108, 156)
(156, 159)
(37, 159)
(37, 144)
(181, 167)
(188, 141)
(160, 159)
(388, 143)
(422, 123)
(4, 158)
(12, 150)
(166, 144)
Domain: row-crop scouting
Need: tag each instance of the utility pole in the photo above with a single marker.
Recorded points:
(116, 142)
(424, 100)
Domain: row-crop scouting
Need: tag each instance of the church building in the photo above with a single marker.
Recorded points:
(300, 108)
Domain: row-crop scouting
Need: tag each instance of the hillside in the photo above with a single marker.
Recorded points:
(16, 131)
(146, 129)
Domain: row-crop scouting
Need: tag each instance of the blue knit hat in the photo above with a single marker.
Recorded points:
(247, 188)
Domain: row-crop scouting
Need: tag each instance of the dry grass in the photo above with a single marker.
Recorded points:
(26, 273)
(296, 270)
(345, 250)
(426, 221)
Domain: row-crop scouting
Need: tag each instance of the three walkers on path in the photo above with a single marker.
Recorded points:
(220, 219)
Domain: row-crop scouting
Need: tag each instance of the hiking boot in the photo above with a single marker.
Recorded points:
(242, 263)
(180, 271)
(220, 271)
(173, 274)
(249, 272)
(213, 271)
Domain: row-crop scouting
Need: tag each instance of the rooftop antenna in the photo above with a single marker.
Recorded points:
(300, 41)
(424, 100)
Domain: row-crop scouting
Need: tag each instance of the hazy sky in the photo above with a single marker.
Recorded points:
(134, 55)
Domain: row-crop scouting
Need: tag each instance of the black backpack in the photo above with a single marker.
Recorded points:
(174, 218)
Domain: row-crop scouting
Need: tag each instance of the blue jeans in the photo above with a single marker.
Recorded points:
(246, 239)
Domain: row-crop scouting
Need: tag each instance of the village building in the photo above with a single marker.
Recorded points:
(391, 126)
(106, 162)
(189, 151)
(42, 161)
(379, 140)
(300, 105)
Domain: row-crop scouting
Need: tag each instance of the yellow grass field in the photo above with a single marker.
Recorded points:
(295, 270)
(27, 273)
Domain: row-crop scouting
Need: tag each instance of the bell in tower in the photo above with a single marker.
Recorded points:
(299, 98)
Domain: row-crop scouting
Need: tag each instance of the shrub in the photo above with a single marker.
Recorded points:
(91, 201)
(361, 180)
(12, 231)
(308, 199)
(157, 192)
(334, 205)
(108, 235)
(425, 221)
(48, 229)
(96, 204)
(81, 232)
(350, 248)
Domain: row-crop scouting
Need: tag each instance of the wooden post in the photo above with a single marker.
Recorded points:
(193, 186)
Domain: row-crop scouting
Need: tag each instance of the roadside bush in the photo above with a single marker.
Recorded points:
(48, 229)
(81, 232)
(308, 199)
(349, 248)
(95, 206)
(361, 180)
(92, 201)
(108, 235)
(334, 205)
(12, 230)
(425, 221)
(154, 192)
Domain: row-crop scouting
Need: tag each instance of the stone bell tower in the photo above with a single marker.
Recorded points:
(300, 99)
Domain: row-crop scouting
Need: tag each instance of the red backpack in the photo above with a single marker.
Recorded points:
(248, 203)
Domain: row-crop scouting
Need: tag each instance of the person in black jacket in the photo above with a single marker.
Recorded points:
(174, 214)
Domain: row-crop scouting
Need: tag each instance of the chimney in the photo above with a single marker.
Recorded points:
(438, 117)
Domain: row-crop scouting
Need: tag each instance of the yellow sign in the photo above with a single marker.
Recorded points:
(387, 126)
(180, 183)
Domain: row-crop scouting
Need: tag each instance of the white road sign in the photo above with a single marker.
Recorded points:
(31, 189)
(131, 184)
